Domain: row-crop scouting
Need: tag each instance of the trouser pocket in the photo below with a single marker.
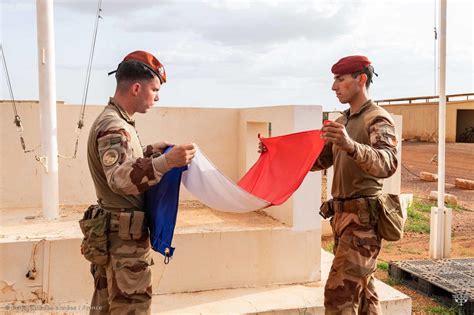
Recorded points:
(360, 248)
(132, 276)
(94, 226)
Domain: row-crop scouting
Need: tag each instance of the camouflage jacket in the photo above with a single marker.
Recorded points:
(375, 156)
(120, 167)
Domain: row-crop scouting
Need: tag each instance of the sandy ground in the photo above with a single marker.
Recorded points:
(418, 157)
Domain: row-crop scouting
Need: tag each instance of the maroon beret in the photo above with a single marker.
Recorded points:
(350, 64)
(149, 61)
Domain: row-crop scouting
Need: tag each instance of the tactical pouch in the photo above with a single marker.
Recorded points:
(94, 226)
(327, 209)
(136, 225)
(124, 226)
(131, 225)
(390, 218)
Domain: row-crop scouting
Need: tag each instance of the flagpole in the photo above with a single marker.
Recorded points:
(47, 100)
(440, 234)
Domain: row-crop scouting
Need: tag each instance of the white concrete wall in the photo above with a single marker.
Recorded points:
(203, 261)
(16, 260)
(214, 130)
(227, 136)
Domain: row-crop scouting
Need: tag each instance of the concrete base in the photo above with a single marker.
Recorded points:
(214, 250)
(238, 263)
(285, 299)
(307, 298)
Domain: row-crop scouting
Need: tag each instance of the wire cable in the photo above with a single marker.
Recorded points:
(80, 122)
(409, 171)
(17, 118)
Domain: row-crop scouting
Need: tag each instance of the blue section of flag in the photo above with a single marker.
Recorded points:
(162, 202)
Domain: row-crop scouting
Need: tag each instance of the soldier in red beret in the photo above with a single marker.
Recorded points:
(116, 239)
(362, 147)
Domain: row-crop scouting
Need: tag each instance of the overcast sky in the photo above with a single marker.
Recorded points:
(243, 53)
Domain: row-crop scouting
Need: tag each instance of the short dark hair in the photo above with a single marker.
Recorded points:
(369, 71)
(132, 70)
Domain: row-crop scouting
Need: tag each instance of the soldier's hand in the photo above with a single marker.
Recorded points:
(261, 147)
(180, 155)
(337, 134)
(161, 146)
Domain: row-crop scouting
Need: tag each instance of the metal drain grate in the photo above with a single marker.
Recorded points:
(449, 280)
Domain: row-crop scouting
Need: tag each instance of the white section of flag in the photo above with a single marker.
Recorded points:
(215, 190)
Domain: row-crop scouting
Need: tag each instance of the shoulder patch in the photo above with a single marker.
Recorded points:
(110, 157)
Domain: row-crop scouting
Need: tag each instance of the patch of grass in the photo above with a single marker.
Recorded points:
(392, 281)
(456, 208)
(418, 220)
(329, 247)
(382, 265)
(426, 206)
(422, 206)
(388, 245)
(442, 310)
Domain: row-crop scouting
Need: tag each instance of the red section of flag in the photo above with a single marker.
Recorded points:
(281, 169)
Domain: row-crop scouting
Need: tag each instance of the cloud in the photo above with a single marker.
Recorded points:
(255, 24)
(229, 23)
(116, 8)
(243, 51)
(232, 41)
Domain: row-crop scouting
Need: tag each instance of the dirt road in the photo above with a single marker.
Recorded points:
(419, 157)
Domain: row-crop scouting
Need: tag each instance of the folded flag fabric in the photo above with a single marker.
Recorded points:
(270, 181)
(215, 190)
(161, 204)
(282, 168)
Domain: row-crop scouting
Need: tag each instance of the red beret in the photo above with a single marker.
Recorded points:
(149, 61)
(350, 64)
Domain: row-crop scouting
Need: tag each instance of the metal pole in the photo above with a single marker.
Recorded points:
(439, 237)
(47, 100)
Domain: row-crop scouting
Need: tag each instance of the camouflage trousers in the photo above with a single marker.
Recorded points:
(123, 285)
(350, 286)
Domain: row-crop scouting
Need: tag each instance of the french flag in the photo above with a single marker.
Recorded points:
(275, 176)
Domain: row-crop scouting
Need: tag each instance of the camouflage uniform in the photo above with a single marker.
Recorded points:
(122, 170)
(350, 285)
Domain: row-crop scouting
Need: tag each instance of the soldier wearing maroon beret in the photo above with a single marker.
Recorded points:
(116, 239)
(362, 147)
